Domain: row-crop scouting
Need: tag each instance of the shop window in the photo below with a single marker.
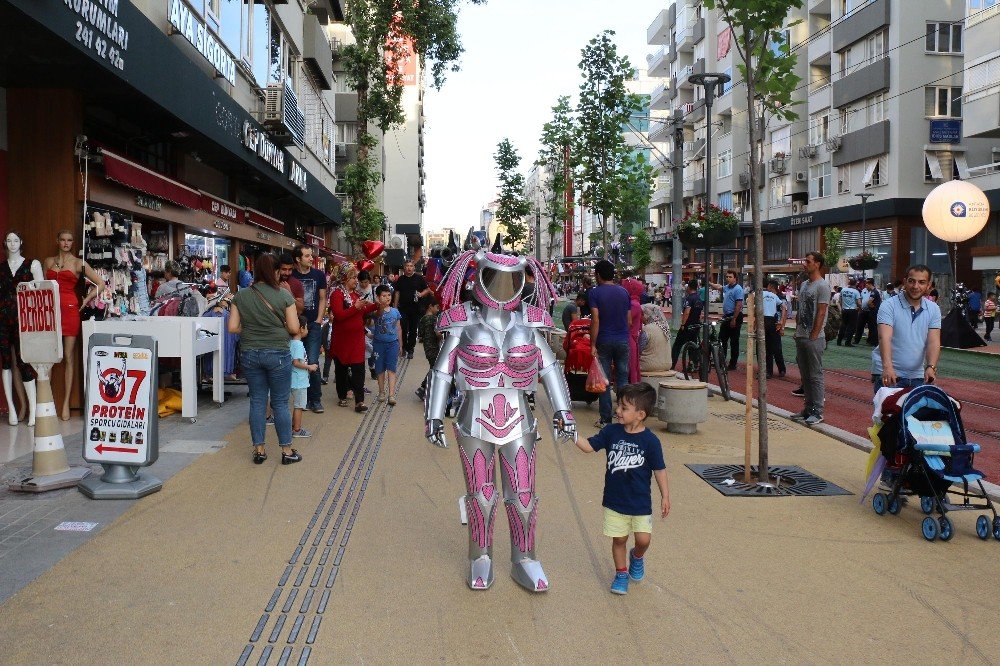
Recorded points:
(804, 240)
(776, 246)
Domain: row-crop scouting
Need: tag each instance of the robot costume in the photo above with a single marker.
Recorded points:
(496, 352)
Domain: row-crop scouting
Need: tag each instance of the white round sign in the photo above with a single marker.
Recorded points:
(956, 211)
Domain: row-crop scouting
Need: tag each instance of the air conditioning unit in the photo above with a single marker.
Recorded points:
(798, 208)
(801, 176)
(778, 165)
(397, 242)
(340, 149)
(807, 151)
(745, 180)
(282, 115)
(833, 144)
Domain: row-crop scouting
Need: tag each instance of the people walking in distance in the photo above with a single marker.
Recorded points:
(410, 288)
(610, 322)
(868, 312)
(314, 309)
(634, 456)
(635, 291)
(810, 340)
(690, 321)
(850, 304)
(732, 312)
(990, 314)
(572, 310)
(300, 378)
(388, 344)
(975, 306)
(909, 335)
(775, 316)
(264, 315)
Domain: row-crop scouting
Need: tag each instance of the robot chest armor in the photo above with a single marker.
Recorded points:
(491, 359)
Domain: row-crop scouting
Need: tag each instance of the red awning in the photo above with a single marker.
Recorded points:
(265, 221)
(318, 241)
(143, 179)
(221, 208)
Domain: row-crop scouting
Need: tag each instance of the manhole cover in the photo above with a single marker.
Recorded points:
(728, 480)
(740, 419)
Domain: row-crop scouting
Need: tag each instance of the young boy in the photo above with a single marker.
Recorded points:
(428, 335)
(990, 314)
(387, 342)
(634, 455)
(300, 378)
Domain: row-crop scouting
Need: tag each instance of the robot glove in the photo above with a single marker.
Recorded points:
(564, 426)
(434, 431)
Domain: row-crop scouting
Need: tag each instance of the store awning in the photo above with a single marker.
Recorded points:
(263, 221)
(318, 241)
(138, 177)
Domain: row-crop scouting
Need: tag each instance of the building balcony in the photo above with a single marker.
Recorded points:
(658, 62)
(862, 22)
(821, 7)
(820, 46)
(699, 30)
(659, 132)
(861, 144)
(820, 96)
(345, 107)
(697, 111)
(698, 187)
(685, 37)
(658, 31)
(981, 115)
(682, 77)
(662, 195)
(659, 100)
(861, 83)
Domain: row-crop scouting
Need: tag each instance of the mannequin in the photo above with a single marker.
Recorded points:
(65, 268)
(15, 270)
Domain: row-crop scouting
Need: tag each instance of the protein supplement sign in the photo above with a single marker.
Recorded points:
(121, 419)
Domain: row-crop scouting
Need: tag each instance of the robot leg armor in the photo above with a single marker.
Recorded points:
(478, 464)
(517, 467)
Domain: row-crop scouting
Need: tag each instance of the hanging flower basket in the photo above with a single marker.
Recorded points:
(711, 227)
(863, 261)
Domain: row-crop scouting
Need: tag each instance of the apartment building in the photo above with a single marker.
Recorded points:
(981, 108)
(207, 124)
(879, 106)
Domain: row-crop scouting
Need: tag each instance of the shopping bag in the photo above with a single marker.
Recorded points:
(597, 381)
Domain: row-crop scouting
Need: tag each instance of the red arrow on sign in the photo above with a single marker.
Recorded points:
(101, 449)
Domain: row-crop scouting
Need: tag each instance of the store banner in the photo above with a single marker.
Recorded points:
(39, 321)
(222, 209)
(263, 221)
(135, 176)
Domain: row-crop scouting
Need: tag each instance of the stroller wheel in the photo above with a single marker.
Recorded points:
(929, 528)
(879, 503)
(996, 528)
(895, 505)
(983, 527)
(947, 529)
(927, 504)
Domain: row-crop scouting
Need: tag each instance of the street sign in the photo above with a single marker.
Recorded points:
(946, 131)
(121, 419)
(39, 321)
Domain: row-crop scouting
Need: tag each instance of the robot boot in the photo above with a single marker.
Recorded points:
(478, 463)
(517, 461)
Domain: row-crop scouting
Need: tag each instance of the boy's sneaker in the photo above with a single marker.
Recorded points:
(269, 420)
(814, 419)
(301, 432)
(636, 566)
(620, 584)
(799, 392)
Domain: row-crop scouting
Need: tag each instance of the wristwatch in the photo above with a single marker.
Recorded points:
(930, 367)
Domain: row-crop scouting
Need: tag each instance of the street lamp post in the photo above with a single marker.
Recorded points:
(708, 80)
(864, 218)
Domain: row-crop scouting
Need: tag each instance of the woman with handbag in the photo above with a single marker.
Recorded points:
(347, 343)
(265, 315)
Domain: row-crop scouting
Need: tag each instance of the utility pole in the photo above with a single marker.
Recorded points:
(538, 234)
(677, 210)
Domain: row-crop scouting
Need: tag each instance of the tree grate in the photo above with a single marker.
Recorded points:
(784, 481)
(772, 424)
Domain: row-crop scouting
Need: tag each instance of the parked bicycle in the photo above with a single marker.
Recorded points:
(693, 352)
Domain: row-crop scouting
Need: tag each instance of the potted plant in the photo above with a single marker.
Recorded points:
(708, 227)
(864, 261)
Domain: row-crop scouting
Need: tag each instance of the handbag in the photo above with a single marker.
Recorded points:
(268, 304)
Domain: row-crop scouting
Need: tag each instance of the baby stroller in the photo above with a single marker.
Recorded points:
(578, 360)
(925, 453)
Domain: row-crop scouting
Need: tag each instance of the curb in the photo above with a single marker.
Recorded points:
(839, 434)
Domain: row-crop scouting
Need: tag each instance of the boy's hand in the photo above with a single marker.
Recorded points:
(665, 506)
(313, 367)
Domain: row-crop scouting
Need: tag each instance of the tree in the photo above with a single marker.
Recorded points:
(767, 70)
(834, 239)
(512, 204)
(642, 252)
(555, 154)
(387, 34)
(603, 159)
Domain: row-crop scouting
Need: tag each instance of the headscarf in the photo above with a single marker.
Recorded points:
(634, 288)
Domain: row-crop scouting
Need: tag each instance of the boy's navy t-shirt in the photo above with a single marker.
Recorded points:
(632, 457)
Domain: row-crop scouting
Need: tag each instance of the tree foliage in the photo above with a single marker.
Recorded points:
(834, 241)
(512, 205)
(642, 251)
(604, 162)
(767, 68)
(386, 33)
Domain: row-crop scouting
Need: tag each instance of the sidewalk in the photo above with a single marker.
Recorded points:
(187, 575)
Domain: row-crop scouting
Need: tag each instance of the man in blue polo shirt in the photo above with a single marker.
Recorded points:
(909, 335)
(732, 308)
(850, 301)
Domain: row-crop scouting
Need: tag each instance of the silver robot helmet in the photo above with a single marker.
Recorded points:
(499, 280)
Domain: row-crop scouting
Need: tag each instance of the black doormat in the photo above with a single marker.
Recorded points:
(783, 481)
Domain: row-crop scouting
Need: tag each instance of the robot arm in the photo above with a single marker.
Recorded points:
(563, 423)
(438, 388)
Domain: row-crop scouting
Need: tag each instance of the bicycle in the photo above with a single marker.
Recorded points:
(692, 353)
